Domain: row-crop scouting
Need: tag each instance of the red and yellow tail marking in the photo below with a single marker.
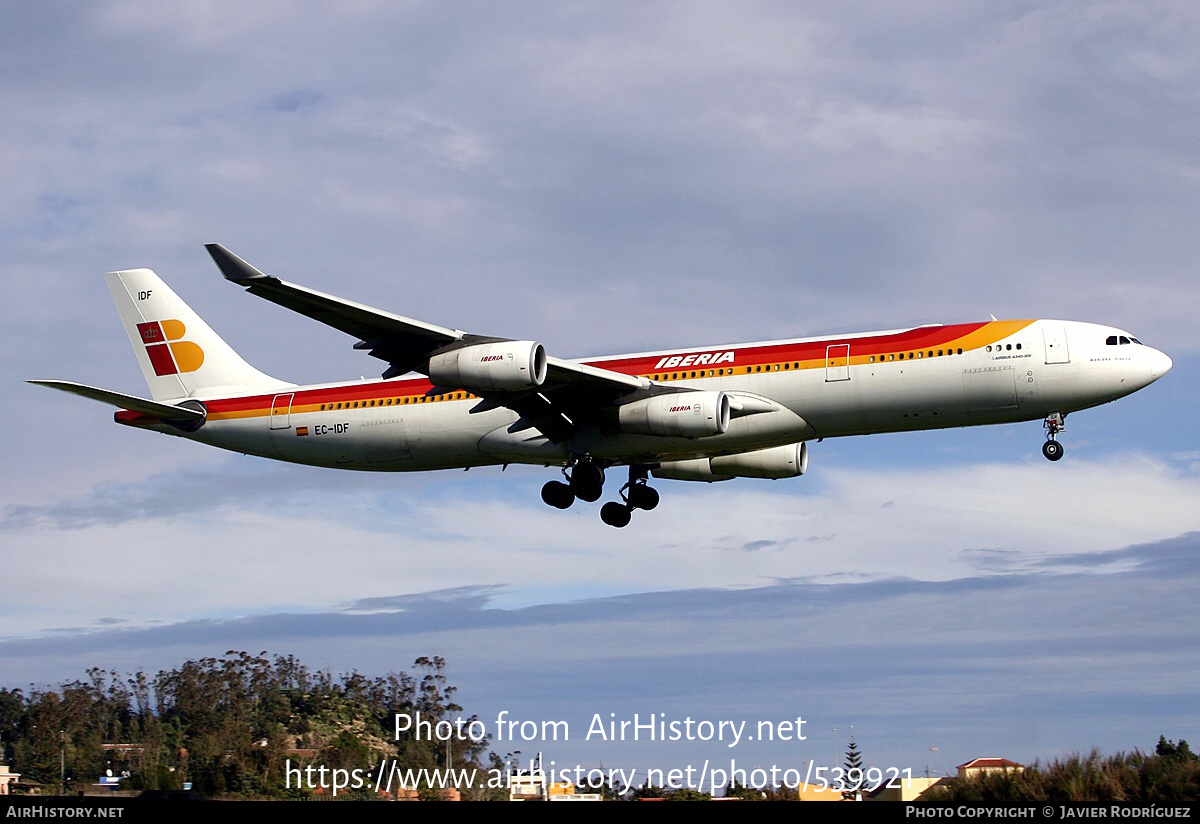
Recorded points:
(168, 353)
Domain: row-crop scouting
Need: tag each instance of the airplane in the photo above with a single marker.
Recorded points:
(450, 399)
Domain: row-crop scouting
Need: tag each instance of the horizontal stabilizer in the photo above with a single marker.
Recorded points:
(165, 411)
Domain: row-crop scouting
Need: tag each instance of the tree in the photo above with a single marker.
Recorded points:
(229, 724)
(647, 790)
(12, 711)
(852, 779)
(1177, 752)
(687, 794)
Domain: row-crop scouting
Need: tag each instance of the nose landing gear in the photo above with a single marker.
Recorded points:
(1053, 424)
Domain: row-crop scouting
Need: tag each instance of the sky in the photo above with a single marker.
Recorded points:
(607, 178)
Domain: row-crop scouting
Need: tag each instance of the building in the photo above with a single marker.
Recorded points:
(984, 766)
(6, 779)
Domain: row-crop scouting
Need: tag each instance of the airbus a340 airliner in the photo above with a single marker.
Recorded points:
(449, 399)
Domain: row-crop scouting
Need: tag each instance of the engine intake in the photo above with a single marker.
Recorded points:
(507, 365)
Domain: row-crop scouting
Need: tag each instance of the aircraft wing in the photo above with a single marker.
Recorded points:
(165, 411)
(581, 376)
(401, 341)
(569, 391)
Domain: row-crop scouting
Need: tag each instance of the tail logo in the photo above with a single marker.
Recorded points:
(169, 354)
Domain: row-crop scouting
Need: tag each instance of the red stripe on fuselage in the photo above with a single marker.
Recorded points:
(919, 338)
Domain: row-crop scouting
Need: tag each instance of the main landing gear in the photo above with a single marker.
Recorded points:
(585, 481)
(1053, 424)
(636, 495)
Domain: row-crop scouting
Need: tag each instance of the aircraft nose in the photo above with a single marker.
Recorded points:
(1160, 364)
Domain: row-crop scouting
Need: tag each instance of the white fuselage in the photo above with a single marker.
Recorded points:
(788, 391)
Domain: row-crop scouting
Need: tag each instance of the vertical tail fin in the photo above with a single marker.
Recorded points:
(178, 352)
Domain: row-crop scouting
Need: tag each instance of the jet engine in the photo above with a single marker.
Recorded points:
(506, 365)
(686, 414)
(790, 461)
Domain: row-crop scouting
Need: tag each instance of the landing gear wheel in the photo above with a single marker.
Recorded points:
(1054, 424)
(615, 514)
(637, 494)
(643, 497)
(557, 494)
(587, 481)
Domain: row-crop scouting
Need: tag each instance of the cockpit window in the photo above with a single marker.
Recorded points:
(1120, 340)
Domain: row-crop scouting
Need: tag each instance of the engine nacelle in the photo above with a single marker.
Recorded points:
(686, 414)
(507, 365)
(790, 461)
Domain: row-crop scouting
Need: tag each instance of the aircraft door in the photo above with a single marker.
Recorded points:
(1056, 345)
(281, 412)
(837, 362)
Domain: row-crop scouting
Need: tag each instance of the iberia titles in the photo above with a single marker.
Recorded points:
(695, 359)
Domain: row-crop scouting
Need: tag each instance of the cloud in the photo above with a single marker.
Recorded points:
(443, 600)
(1163, 558)
(234, 538)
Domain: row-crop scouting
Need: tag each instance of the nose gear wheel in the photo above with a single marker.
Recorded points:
(1053, 424)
